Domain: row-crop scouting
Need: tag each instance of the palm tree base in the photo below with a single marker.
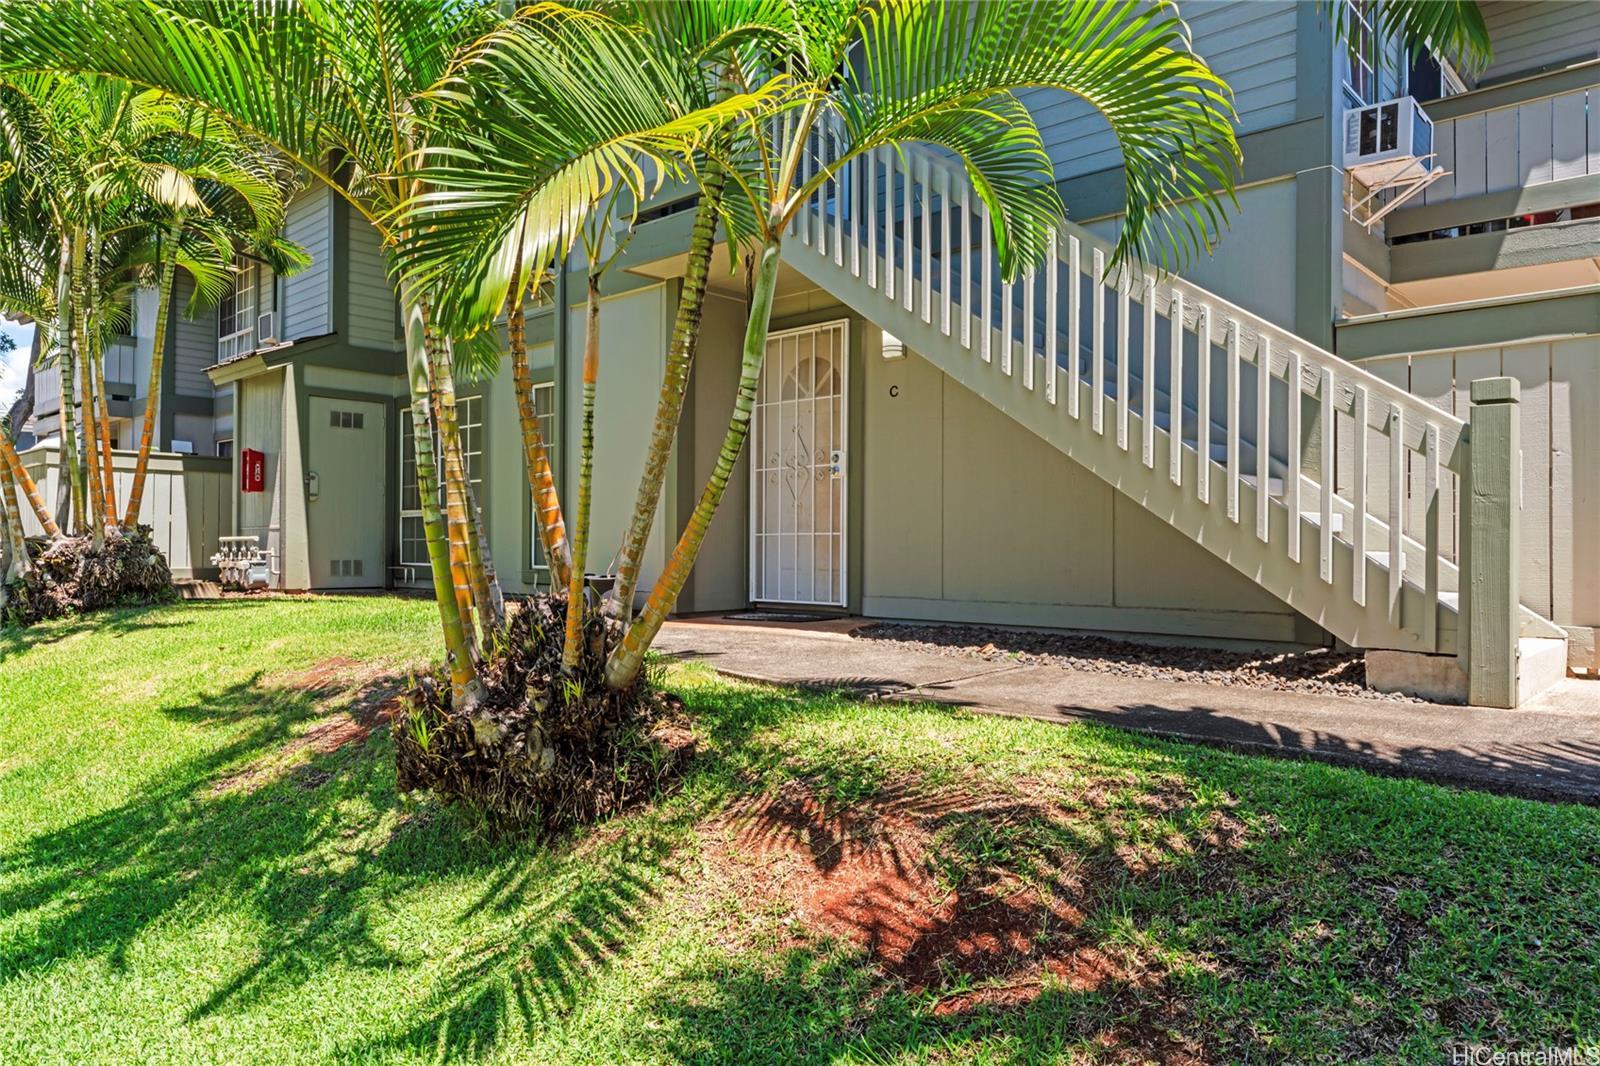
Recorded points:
(543, 749)
(71, 575)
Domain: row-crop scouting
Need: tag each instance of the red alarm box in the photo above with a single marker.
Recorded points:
(252, 471)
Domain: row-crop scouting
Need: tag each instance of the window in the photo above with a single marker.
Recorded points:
(544, 405)
(413, 544)
(347, 420)
(236, 314)
(1361, 56)
(469, 422)
(224, 449)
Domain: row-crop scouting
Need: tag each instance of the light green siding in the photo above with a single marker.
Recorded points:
(970, 517)
(1251, 44)
(307, 295)
(374, 320)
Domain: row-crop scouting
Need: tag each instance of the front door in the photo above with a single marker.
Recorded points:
(345, 506)
(798, 469)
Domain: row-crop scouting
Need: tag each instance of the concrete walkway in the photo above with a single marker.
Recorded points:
(1548, 750)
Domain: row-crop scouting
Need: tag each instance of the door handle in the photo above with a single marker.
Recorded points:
(313, 485)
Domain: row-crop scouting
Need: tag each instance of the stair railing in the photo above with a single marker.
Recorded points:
(908, 224)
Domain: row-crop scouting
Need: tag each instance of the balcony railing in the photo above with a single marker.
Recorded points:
(1533, 142)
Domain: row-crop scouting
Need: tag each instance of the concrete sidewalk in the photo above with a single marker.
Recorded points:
(1548, 750)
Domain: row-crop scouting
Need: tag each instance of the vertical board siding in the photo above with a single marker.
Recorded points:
(194, 341)
(1527, 37)
(308, 295)
(373, 318)
(186, 503)
(1560, 507)
(1549, 139)
(1250, 45)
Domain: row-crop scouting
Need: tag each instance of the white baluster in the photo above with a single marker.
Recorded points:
(1175, 391)
(870, 161)
(944, 249)
(907, 182)
(1263, 437)
(1074, 330)
(1291, 477)
(966, 265)
(1007, 295)
(891, 254)
(1147, 408)
(1097, 344)
(1358, 492)
(803, 177)
(1325, 533)
(1123, 357)
(1027, 330)
(1052, 268)
(1234, 340)
(1397, 505)
(986, 293)
(839, 202)
(1430, 538)
(925, 206)
(853, 198)
(1203, 402)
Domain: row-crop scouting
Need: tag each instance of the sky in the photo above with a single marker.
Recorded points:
(13, 365)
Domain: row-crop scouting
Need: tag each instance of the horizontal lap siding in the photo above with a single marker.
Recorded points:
(194, 342)
(1528, 36)
(307, 296)
(1251, 45)
(373, 318)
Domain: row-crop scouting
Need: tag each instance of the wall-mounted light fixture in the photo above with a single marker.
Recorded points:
(893, 347)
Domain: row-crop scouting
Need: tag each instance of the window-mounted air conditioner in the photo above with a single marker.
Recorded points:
(266, 329)
(1395, 130)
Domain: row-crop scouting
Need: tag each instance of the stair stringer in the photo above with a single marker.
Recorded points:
(1297, 584)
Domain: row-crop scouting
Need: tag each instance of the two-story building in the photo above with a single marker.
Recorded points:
(1070, 451)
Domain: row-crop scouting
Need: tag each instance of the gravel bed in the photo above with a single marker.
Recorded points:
(1318, 671)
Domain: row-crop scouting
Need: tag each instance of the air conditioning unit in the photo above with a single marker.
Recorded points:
(266, 329)
(1383, 141)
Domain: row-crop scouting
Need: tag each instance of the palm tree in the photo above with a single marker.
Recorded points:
(238, 203)
(333, 85)
(917, 71)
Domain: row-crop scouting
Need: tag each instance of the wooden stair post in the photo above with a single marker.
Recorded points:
(1491, 499)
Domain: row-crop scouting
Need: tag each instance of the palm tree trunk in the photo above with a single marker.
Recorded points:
(108, 479)
(573, 648)
(463, 574)
(93, 518)
(497, 599)
(152, 400)
(465, 689)
(19, 564)
(625, 662)
(66, 371)
(12, 463)
(102, 418)
(547, 517)
(674, 385)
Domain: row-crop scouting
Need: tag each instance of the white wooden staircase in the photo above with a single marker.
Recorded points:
(1185, 403)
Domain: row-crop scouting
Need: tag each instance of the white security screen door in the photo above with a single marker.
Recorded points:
(797, 492)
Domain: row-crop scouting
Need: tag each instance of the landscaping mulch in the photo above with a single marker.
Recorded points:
(1318, 671)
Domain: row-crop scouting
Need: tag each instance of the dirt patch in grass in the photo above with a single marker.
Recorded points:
(375, 703)
(974, 898)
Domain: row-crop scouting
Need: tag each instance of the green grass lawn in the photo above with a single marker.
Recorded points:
(202, 858)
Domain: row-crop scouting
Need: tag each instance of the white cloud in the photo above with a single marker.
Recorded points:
(14, 364)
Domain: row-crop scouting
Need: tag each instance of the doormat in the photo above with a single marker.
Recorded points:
(780, 616)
